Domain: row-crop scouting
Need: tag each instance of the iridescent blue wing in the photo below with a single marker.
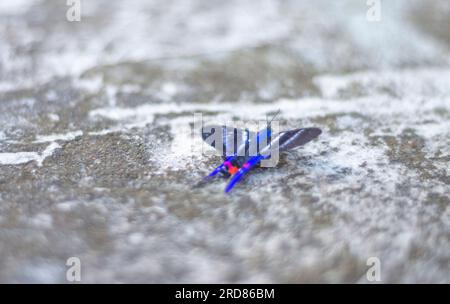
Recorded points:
(227, 140)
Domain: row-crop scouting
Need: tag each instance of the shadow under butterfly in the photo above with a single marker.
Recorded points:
(249, 148)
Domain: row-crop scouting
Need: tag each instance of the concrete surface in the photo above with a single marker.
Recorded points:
(95, 141)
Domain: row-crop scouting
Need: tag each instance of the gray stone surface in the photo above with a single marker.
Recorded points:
(95, 142)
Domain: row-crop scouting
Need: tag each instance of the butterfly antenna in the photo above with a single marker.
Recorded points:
(274, 116)
(270, 122)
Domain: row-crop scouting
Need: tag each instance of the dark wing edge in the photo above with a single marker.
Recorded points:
(297, 137)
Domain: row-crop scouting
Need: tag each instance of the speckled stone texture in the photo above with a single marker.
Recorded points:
(96, 156)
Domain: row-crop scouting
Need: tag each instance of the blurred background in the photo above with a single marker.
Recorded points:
(95, 140)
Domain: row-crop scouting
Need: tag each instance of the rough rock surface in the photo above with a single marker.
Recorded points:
(96, 156)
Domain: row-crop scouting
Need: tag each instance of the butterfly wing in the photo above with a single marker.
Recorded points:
(293, 138)
(227, 140)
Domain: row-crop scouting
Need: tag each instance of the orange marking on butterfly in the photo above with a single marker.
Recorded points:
(232, 169)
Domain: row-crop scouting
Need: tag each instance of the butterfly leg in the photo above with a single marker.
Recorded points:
(213, 174)
(246, 167)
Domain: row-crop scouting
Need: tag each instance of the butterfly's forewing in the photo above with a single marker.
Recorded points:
(228, 141)
(297, 137)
